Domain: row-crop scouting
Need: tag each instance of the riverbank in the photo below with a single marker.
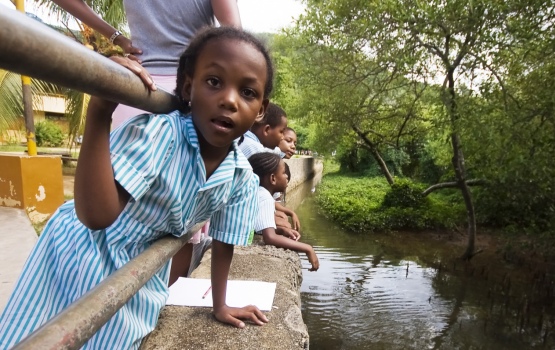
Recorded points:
(411, 290)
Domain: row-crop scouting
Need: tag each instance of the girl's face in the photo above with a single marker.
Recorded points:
(289, 143)
(280, 177)
(226, 92)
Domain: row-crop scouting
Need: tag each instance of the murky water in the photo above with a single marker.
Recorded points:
(403, 291)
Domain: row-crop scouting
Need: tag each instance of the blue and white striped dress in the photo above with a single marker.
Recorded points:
(157, 160)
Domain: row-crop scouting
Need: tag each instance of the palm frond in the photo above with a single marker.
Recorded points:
(11, 97)
(111, 11)
(76, 108)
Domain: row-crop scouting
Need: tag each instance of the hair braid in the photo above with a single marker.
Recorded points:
(264, 163)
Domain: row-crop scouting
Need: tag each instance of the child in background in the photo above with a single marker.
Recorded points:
(265, 134)
(289, 143)
(155, 175)
(270, 168)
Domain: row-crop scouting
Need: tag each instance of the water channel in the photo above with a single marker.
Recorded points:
(407, 291)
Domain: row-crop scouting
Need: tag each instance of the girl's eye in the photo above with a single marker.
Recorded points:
(213, 81)
(250, 93)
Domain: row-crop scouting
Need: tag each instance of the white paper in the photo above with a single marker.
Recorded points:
(190, 291)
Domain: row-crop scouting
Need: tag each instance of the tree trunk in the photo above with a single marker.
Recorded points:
(373, 150)
(458, 165)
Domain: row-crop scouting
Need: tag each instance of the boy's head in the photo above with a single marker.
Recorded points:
(224, 79)
(289, 143)
(270, 128)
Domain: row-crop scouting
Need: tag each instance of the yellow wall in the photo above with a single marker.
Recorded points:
(31, 183)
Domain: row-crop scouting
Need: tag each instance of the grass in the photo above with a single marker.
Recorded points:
(357, 203)
(20, 148)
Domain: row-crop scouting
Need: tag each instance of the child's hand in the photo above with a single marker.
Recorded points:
(136, 68)
(130, 51)
(313, 259)
(296, 223)
(234, 315)
(288, 232)
(100, 107)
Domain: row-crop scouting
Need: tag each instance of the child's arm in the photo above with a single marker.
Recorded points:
(270, 237)
(291, 213)
(227, 12)
(84, 13)
(98, 197)
(222, 254)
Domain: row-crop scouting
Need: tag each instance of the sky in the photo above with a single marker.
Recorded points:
(256, 15)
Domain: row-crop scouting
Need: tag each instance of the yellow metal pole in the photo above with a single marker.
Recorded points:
(27, 101)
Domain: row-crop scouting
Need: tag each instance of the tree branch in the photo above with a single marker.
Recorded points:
(474, 182)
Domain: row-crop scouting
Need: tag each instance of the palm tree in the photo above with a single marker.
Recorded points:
(11, 107)
(11, 102)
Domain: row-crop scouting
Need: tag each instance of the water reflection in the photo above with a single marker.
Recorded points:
(398, 292)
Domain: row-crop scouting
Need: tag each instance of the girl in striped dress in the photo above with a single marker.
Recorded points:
(155, 175)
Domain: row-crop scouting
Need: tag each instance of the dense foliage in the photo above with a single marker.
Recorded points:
(456, 95)
(369, 204)
(49, 134)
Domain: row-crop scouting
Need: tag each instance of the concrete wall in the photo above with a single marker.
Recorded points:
(302, 169)
(31, 183)
(181, 327)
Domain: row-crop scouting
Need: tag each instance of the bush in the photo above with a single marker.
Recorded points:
(48, 134)
(404, 194)
(363, 204)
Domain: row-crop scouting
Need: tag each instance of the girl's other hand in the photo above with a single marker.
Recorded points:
(234, 315)
(313, 259)
(136, 68)
(296, 223)
(288, 232)
(128, 48)
(101, 107)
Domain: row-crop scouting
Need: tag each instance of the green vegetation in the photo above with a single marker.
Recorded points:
(48, 134)
(453, 96)
(368, 204)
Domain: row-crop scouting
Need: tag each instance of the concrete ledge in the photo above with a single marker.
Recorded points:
(303, 169)
(17, 238)
(182, 327)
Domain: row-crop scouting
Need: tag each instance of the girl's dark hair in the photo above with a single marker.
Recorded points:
(188, 59)
(264, 163)
(287, 171)
(272, 116)
(289, 129)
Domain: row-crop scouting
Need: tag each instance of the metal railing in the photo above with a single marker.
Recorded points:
(30, 48)
(77, 323)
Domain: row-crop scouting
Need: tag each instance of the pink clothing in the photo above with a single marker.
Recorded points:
(123, 112)
(202, 233)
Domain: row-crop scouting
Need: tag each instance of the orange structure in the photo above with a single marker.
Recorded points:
(31, 183)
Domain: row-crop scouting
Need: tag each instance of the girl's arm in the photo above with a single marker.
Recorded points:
(222, 253)
(99, 199)
(296, 223)
(84, 13)
(271, 237)
(227, 12)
